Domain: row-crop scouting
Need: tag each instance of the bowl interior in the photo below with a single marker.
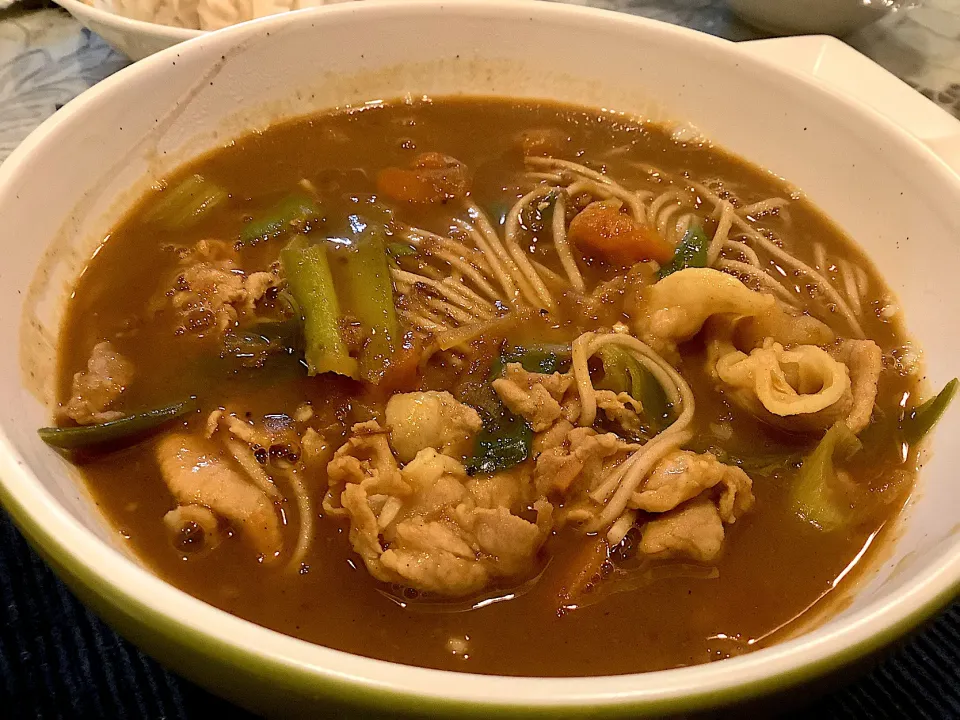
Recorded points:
(61, 192)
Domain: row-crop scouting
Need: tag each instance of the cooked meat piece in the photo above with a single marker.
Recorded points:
(196, 473)
(437, 482)
(533, 396)
(676, 308)
(95, 389)
(512, 540)
(420, 420)
(582, 454)
(364, 530)
(804, 388)
(511, 488)
(212, 294)
(553, 437)
(621, 409)
(784, 324)
(696, 495)
(683, 475)
(429, 526)
(366, 459)
(865, 362)
(257, 285)
(431, 556)
(193, 528)
(556, 470)
(206, 294)
(693, 530)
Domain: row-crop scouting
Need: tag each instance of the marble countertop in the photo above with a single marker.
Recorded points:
(47, 58)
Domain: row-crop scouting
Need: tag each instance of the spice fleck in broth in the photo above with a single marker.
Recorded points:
(500, 387)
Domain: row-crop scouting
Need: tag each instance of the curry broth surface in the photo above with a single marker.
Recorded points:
(774, 566)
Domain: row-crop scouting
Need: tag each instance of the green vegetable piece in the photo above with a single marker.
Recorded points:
(922, 419)
(691, 252)
(399, 249)
(367, 277)
(251, 345)
(504, 441)
(815, 496)
(767, 465)
(311, 284)
(624, 373)
(534, 216)
(185, 204)
(764, 465)
(281, 219)
(546, 359)
(124, 431)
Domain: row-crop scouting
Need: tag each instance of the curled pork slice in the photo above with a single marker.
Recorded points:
(675, 308)
(433, 419)
(785, 325)
(535, 397)
(865, 362)
(193, 528)
(365, 460)
(693, 530)
(95, 389)
(212, 294)
(511, 488)
(804, 388)
(427, 525)
(693, 496)
(196, 473)
(682, 475)
(621, 409)
(569, 454)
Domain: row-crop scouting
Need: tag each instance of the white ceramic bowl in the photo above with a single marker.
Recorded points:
(71, 180)
(833, 17)
(134, 38)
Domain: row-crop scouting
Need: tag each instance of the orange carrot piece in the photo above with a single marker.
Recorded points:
(404, 186)
(601, 231)
(585, 572)
(433, 177)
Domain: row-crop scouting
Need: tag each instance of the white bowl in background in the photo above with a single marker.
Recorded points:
(71, 180)
(794, 17)
(134, 38)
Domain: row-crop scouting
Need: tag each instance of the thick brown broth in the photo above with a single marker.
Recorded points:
(774, 566)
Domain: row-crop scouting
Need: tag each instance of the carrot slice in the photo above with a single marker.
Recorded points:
(603, 232)
(433, 177)
(404, 186)
(585, 572)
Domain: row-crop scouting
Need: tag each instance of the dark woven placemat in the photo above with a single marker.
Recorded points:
(58, 660)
